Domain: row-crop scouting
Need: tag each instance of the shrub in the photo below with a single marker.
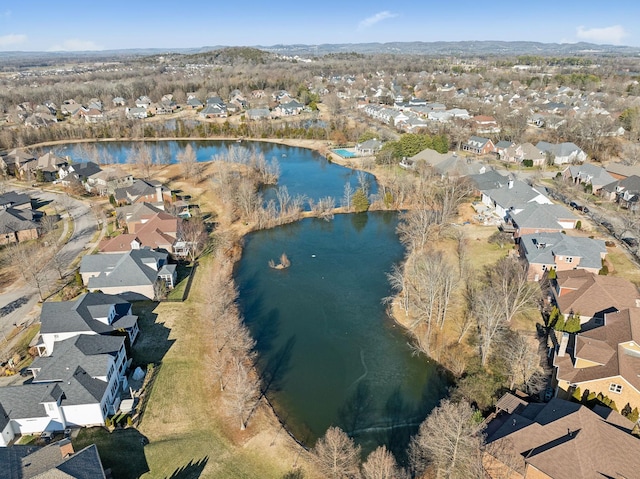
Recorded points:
(527, 163)
(551, 274)
(577, 394)
(579, 225)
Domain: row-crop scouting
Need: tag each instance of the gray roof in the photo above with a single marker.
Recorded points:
(25, 401)
(630, 184)
(458, 166)
(558, 149)
(85, 169)
(489, 180)
(518, 195)
(589, 173)
(14, 199)
(122, 270)
(26, 462)
(12, 220)
(80, 315)
(541, 248)
(535, 215)
(92, 352)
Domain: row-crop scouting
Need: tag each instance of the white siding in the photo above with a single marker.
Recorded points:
(83, 415)
(7, 435)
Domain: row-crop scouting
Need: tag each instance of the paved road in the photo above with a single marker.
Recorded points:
(19, 304)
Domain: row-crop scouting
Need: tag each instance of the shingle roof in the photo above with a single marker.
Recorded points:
(565, 440)
(604, 346)
(30, 462)
(541, 248)
(122, 270)
(591, 295)
(81, 314)
(535, 215)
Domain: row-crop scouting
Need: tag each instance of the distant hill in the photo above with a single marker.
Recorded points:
(256, 53)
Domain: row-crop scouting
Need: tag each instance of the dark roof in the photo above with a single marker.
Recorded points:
(12, 220)
(26, 462)
(82, 314)
(14, 199)
(86, 169)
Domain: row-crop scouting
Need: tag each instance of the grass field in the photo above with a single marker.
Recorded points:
(182, 428)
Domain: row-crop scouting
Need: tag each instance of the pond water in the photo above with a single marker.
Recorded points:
(328, 352)
(304, 172)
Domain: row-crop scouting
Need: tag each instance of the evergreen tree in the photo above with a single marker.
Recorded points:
(360, 201)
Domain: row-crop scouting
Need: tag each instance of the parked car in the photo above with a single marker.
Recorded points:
(579, 207)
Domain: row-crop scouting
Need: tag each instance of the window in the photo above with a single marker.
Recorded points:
(569, 259)
(615, 388)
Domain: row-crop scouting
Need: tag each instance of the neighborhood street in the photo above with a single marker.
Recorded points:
(19, 304)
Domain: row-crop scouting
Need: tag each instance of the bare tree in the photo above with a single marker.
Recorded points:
(508, 278)
(32, 263)
(347, 197)
(193, 232)
(143, 159)
(381, 464)
(522, 360)
(336, 455)
(187, 160)
(242, 392)
(448, 441)
(487, 309)
(416, 227)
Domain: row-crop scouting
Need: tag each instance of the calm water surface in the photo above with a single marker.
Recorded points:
(304, 172)
(328, 352)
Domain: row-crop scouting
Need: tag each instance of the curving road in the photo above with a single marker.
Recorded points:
(19, 304)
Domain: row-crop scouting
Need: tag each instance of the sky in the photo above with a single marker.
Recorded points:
(73, 25)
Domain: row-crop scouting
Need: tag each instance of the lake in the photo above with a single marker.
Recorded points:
(305, 172)
(328, 352)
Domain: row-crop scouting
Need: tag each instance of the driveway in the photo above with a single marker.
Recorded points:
(19, 304)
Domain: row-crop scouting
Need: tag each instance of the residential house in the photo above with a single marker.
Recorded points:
(118, 101)
(620, 170)
(289, 108)
(159, 232)
(604, 360)
(588, 174)
(143, 191)
(484, 124)
(369, 147)
(48, 165)
(428, 156)
(16, 160)
(454, 166)
(136, 273)
(213, 110)
(559, 440)
(143, 102)
(479, 146)
(89, 313)
(591, 296)
(136, 113)
(508, 151)
(512, 197)
(137, 213)
(258, 114)
(17, 225)
(530, 152)
(78, 172)
(18, 201)
(58, 459)
(562, 153)
(194, 103)
(542, 252)
(626, 192)
(78, 385)
(106, 182)
(535, 217)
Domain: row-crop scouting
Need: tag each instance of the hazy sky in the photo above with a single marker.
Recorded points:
(51, 25)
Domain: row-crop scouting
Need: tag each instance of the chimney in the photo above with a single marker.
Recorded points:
(66, 448)
(562, 348)
(510, 184)
(159, 194)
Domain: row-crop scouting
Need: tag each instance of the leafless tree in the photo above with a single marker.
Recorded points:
(323, 208)
(417, 227)
(143, 159)
(336, 455)
(347, 197)
(522, 360)
(32, 262)
(187, 160)
(194, 232)
(381, 464)
(449, 442)
(487, 309)
(242, 392)
(508, 278)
